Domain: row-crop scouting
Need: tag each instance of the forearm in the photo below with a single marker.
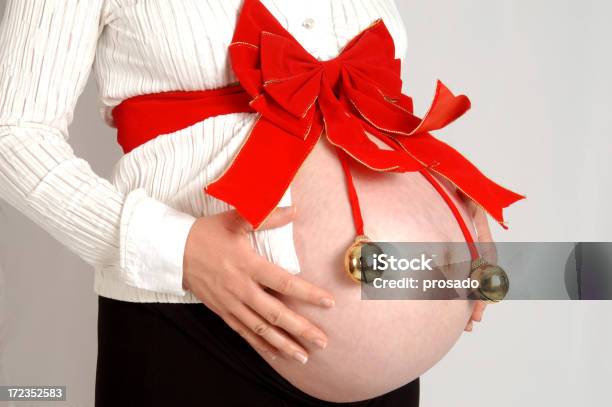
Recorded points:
(46, 52)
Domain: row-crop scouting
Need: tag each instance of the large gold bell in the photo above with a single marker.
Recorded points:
(354, 265)
(493, 283)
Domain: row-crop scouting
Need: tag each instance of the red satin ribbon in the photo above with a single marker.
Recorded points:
(299, 98)
(359, 91)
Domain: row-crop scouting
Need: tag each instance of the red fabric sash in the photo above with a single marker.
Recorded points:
(144, 117)
(299, 98)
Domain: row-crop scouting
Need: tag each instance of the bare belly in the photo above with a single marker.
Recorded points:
(374, 346)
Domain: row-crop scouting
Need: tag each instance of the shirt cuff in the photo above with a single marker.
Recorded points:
(152, 244)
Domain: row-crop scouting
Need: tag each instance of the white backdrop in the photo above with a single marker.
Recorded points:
(538, 76)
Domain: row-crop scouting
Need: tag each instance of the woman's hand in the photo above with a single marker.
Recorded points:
(483, 232)
(222, 270)
(479, 307)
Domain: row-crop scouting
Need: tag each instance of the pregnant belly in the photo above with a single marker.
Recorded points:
(374, 346)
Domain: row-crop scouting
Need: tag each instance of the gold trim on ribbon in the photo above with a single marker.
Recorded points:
(243, 43)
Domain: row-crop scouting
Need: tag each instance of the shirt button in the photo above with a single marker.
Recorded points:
(308, 23)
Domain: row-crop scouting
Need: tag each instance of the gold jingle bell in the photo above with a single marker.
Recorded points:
(493, 283)
(353, 264)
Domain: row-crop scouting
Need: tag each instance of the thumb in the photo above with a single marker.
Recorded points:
(278, 217)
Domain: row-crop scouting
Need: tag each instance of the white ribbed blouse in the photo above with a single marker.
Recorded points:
(133, 228)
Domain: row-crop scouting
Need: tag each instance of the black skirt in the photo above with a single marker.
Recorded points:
(167, 354)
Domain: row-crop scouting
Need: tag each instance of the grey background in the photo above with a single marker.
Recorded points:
(538, 76)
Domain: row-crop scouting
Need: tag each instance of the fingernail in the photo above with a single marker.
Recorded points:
(272, 355)
(300, 357)
(327, 302)
(321, 343)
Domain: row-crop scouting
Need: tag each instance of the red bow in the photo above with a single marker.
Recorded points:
(359, 91)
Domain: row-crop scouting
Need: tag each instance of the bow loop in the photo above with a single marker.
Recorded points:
(283, 57)
(283, 79)
(374, 44)
(296, 94)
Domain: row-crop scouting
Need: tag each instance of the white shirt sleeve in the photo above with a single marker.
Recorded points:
(46, 53)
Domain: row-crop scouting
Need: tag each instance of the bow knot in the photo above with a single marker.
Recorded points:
(331, 69)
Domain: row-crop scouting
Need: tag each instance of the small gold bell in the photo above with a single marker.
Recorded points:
(353, 264)
(493, 283)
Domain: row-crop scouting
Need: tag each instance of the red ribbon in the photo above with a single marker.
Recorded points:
(359, 91)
